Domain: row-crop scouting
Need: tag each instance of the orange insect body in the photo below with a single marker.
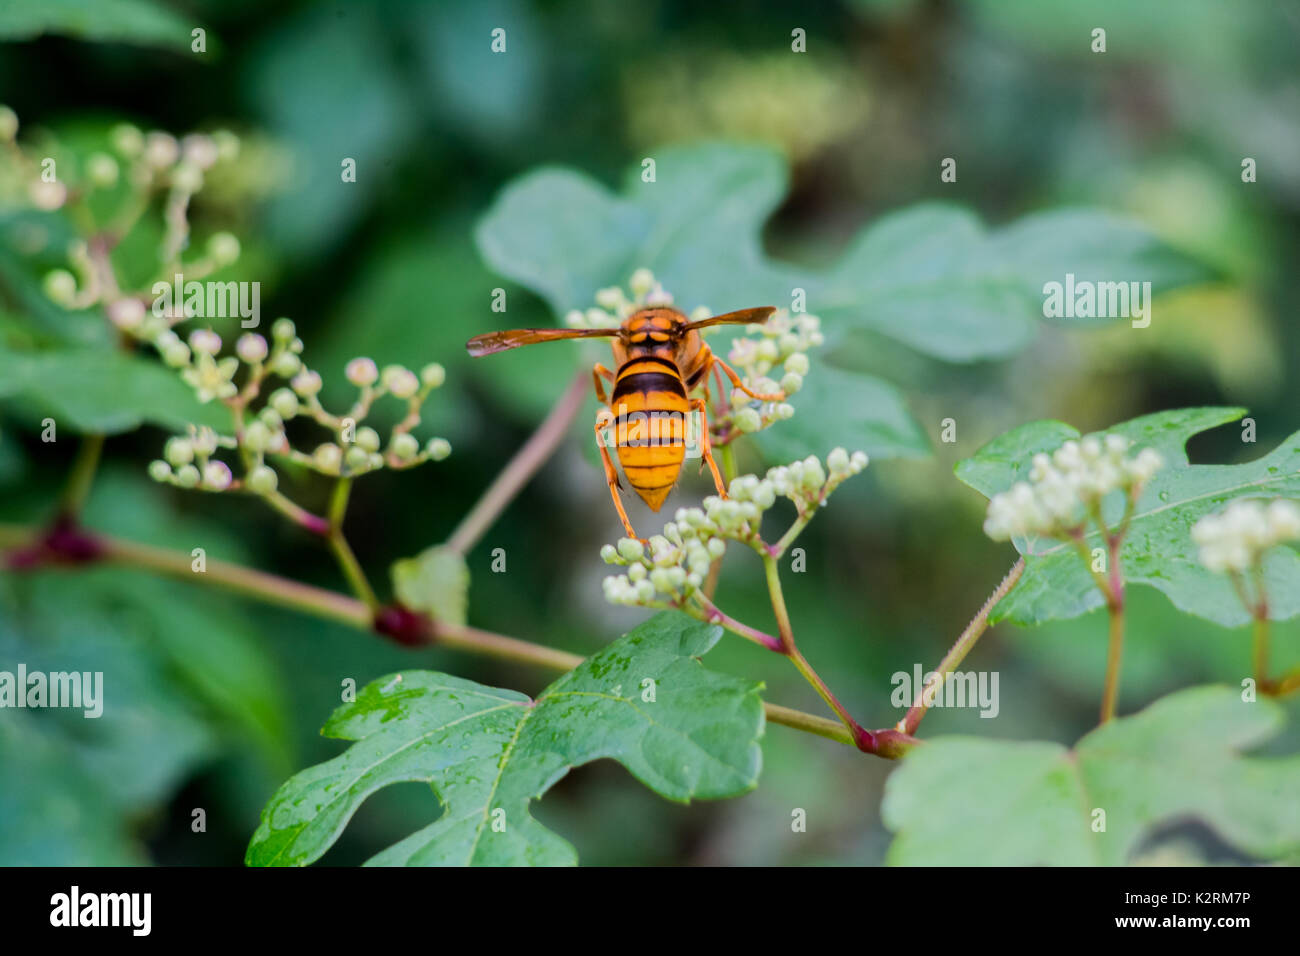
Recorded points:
(660, 359)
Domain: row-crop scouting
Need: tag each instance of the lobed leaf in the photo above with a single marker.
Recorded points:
(488, 753)
(969, 801)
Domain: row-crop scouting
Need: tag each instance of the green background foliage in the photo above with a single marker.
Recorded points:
(521, 171)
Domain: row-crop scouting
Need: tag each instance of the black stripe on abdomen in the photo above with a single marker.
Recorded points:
(649, 382)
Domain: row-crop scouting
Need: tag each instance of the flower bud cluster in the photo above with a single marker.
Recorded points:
(1066, 488)
(355, 449)
(1235, 539)
(672, 566)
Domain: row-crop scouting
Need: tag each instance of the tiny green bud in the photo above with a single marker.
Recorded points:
(159, 470)
(328, 457)
(101, 170)
(404, 446)
(257, 437)
(636, 573)
(61, 286)
(286, 365)
(357, 459)
(223, 247)
(797, 363)
(433, 375)
(187, 476)
(8, 124)
(227, 144)
(748, 420)
(127, 140)
(176, 354)
(608, 554)
(282, 330)
(284, 402)
(368, 439)
(791, 383)
(262, 480)
(631, 548)
(438, 448)
(179, 451)
(187, 177)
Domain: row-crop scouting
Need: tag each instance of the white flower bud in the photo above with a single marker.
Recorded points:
(159, 470)
(252, 348)
(437, 449)
(127, 314)
(400, 381)
(188, 476)
(205, 342)
(282, 330)
(642, 282)
(8, 124)
(216, 475)
(306, 383)
(631, 549)
(47, 196)
(609, 555)
(286, 365)
(361, 372)
(160, 150)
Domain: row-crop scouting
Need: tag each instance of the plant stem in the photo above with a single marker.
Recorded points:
(963, 645)
(715, 615)
(788, 647)
(1115, 648)
(521, 468)
(352, 569)
(330, 605)
(82, 476)
(1261, 652)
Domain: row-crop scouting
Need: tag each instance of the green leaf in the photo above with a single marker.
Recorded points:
(1158, 550)
(969, 801)
(102, 391)
(123, 21)
(488, 753)
(931, 276)
(858, 412)
(435, 581)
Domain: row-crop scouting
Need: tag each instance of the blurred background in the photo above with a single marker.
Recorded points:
(221, 700)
